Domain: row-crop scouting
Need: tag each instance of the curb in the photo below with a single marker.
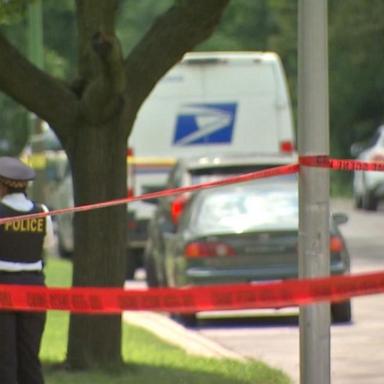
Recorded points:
(174, 333)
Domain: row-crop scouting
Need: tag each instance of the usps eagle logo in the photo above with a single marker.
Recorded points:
(205, 124)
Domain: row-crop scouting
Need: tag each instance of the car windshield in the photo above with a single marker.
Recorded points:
(208, 178)
(201, 175)
(246, 207)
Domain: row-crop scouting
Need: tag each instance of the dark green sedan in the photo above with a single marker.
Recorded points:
(246, 232)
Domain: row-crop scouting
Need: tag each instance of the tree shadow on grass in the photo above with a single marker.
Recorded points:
(151, 374)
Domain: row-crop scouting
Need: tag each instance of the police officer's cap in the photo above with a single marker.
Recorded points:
(14, 173)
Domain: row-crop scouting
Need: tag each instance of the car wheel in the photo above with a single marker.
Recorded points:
(186, 319)
(369, 201)
(341, 312)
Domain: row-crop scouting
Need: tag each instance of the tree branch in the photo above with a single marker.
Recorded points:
(102, 96)
(101, 66)
(177, 31)
(40, 93)
(91, 19)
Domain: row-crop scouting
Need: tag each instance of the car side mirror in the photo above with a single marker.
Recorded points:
(169, 236)
(356, 149)
(154, 201)
(340, 218)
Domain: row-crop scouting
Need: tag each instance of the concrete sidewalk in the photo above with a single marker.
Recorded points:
(174, 333)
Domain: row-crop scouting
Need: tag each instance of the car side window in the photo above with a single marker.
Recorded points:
(185, 218)
(380, 139)
(376, 139)
(173, 181)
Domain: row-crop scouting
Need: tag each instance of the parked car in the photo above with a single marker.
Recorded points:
(63, 198)
(368, 186)
(245, 232)
(191, 171)
(44, 153)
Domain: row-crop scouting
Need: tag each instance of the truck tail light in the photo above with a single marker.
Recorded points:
(132, 225)
(286, 146)
(177, 207)
(197, 250)
(130, 173)
(129, 152)
(378, 157)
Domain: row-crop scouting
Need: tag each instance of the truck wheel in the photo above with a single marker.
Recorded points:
(187, 319)
(150, 273)
(358, 202)
(131, 266)
(369, 201)
(341, 312)
(134, 261)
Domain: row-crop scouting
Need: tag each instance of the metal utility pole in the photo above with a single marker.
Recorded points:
(313, 139)
(36, 55)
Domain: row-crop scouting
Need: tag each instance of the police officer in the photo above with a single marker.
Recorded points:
(21, 262)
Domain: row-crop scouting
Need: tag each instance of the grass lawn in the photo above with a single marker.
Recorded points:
(147, 358)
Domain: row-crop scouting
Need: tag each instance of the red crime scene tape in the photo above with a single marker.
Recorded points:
(324, 161)
(191, 299)
(321, 161)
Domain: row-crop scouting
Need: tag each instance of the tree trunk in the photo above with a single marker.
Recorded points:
(99, 175)
(93, 118)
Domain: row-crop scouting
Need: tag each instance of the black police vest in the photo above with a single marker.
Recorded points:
(21, 241)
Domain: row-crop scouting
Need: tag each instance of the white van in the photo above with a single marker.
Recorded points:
(210, 103)
(217, 102)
